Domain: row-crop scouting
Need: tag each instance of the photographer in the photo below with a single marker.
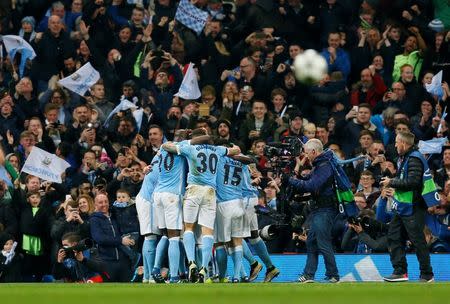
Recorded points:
(409, 210)
(365, 235)
(73, 221)
(320, 184)
(76, 262)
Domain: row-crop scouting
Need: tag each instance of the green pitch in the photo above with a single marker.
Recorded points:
(364, 293)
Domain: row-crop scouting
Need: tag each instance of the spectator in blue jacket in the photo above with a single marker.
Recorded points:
(337, 58)
(106, 234)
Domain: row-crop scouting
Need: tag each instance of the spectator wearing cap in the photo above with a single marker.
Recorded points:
(370, 89)
(295, 127)
(223, 132)
(27, 31)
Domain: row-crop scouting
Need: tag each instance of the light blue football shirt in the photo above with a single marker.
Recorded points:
(229, 179)
(202, 161)
(172, 176)
(150, 180)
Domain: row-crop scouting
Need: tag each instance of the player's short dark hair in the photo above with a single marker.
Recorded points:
(198, 132)
(71, 237)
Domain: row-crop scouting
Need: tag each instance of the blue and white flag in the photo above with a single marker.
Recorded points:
(124, 105)
(432, 146)
(189, 87)
(138, 115)
(45, 165)
(435, 87)
(191, 16)
(14, 44)
(80, 81)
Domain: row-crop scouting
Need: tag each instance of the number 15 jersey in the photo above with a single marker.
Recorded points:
(202, 161)
(229, 179)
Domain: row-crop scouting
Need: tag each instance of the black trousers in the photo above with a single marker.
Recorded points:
(119, 270)
(403, 228)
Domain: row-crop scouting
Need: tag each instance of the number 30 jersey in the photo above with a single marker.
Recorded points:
(202, 161)
(172, 176)
(229, 179)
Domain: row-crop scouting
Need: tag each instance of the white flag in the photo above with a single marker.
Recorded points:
(138, 115)
(45, 165)
(189, 87)
(14, 44)
(80, 81)
(435, 87)
(432, 146)
(124, 105)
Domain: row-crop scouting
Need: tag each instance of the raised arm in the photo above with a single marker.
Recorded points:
(235, 150)
(170, 147)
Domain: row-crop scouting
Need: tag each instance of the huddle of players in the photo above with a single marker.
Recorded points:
(215, 209)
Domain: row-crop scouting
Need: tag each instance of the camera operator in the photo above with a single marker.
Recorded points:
(82, 265)
(320, 184)
(409, 210)
(365, 235)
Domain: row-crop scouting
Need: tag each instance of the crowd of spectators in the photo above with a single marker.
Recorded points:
(380, 55)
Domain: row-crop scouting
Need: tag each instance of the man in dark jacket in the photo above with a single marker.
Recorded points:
(77, 266)
(50, 47)
(410, 211)
(106, 234)
(320, 184)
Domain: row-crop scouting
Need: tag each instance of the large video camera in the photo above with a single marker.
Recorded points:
(370, 225)
(82, 245)
(291, 146)
(291, 217)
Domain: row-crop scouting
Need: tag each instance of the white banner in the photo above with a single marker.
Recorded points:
(80, 81)
(189, 87)
(45, 165)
